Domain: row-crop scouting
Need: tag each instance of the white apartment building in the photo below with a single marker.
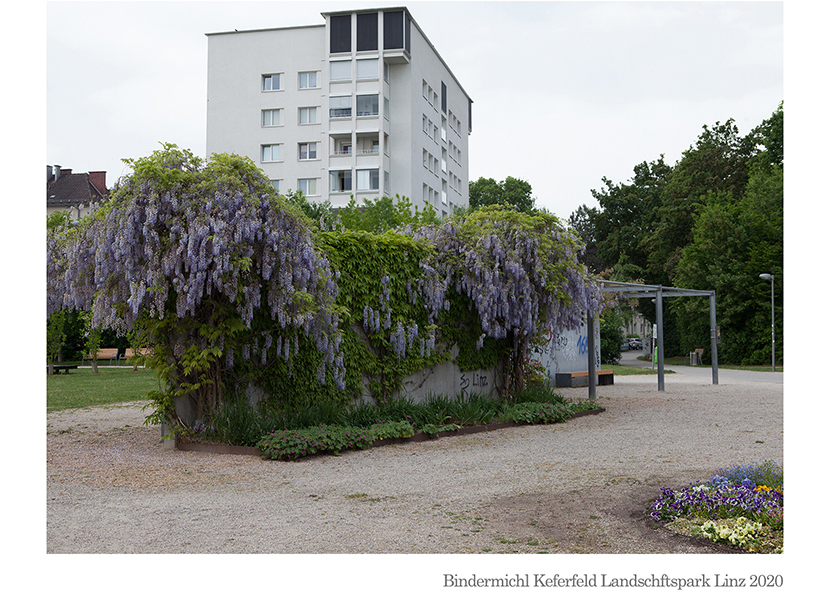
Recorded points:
(360, 106)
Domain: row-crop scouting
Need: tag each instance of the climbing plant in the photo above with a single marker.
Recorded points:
(519, 272)
(211, 264)
(236, 291)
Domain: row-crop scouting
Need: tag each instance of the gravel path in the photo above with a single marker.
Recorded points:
(576, 487)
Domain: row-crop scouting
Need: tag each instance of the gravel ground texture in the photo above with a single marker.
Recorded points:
(576, 487)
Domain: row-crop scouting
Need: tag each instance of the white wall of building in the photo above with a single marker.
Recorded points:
(391, 143)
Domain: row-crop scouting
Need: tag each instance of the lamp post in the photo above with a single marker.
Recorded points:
(771, 278)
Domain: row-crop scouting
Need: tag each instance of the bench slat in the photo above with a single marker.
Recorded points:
(580, 379)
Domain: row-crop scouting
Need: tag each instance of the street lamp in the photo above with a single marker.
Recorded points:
(771, 278)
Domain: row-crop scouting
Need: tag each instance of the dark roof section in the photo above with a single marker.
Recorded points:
(72, 189)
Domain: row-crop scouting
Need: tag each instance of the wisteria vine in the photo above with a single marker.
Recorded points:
(520, 272)
(200, 243)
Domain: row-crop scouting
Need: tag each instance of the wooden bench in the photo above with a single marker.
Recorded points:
(580, 379)
(132, 353)
(56, 368)
(105, 353)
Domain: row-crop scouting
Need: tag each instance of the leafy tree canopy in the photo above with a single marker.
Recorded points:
(511, 193)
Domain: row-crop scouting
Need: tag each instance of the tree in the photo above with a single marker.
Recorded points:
(735, 240)
(626, 216)
(319, 213)
(511, 193)
(209, 260)
(717, 162)
(582, 221)
(610, 336)
(383, 214)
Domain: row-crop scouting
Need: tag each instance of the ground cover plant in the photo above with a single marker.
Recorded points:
(741, 506)
(292, 432)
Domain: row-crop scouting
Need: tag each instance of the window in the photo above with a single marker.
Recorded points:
(341, 180)
(340, 34)
(396, 30)
(444, 160)
(270, 153)
(387, 73)
(386, 108)
(271, 117)
(276, 184)
(341, 71)
(367, 32)
(444, 97)
(424, 90)
(271, 82)
(341, 106)
(424, 157)
(307, 187)
(308, 150)
(367, 106)
(367, 69)
(386, 182)
(367, 180)
(307, 80)
(308, 115)
(444, 129)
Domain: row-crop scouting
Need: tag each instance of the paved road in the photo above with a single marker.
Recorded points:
(630, 358)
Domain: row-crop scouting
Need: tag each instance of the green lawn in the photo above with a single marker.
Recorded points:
(81, 388)
(621, 370)
(679, 361)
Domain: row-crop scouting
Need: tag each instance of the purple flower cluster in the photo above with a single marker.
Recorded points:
(522, 275)
(190, 247)
(727, 500)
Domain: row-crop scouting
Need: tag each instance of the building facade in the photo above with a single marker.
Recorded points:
(76, 194)
(362, 106)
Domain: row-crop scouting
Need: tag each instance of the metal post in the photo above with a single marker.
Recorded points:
(713, 307)
(592, 358)
(772, 323)
(660, 353)
(771, 278)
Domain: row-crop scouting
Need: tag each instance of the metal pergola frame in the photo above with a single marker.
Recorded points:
(657, 292)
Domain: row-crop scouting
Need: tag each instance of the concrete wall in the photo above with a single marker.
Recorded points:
(568, 352)
(448, 380)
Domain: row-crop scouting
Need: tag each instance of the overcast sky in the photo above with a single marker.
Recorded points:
(564, 92)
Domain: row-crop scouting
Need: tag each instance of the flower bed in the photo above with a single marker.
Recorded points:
(741, 506)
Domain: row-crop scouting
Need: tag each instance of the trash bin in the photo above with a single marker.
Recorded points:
(693, 358)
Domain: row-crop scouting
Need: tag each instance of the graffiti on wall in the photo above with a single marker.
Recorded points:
(567, 352)
(473, 381)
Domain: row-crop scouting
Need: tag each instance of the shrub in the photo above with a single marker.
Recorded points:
(293, 444)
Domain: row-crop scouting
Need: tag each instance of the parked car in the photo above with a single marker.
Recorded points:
(635, 344)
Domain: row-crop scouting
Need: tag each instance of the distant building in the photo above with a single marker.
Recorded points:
(362, 105)
(638, 326)
(78, 194)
